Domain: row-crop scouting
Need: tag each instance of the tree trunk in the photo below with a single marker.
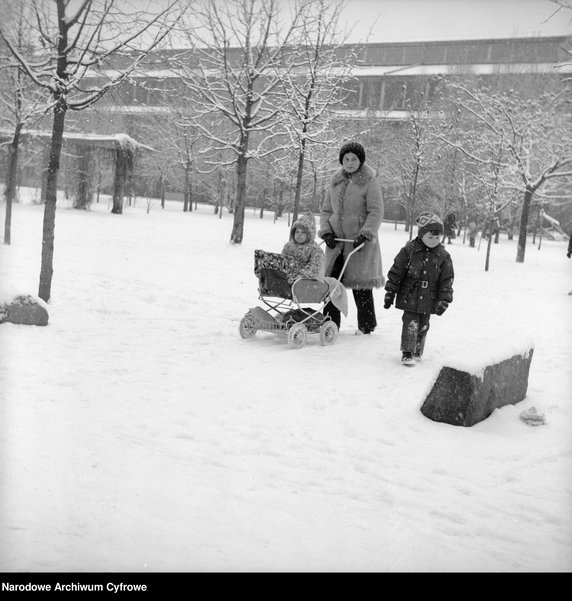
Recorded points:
(46, 270)
(240, 201)
(44, 173)
(98, 185)
(10, 191)
(84, 194)
(521, 248)
(299, 181)
(119, 181)
(186, 192)
(489, 227)
(190, 192)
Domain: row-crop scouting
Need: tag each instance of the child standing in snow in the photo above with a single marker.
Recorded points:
(308, 256)
(422, 279)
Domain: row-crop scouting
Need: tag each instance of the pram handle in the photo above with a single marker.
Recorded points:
(348, 257)
(343, 240)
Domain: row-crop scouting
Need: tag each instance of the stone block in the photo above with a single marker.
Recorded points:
(467, 392)
(25, 309)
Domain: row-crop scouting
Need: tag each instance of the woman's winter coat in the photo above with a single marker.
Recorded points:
(354, 206)
(421, 276)
(450, 225)
(308, 257)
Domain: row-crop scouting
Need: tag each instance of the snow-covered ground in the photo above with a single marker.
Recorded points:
(139, 432)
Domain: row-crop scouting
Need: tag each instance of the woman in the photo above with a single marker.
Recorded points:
(353, 210)
(450, 225)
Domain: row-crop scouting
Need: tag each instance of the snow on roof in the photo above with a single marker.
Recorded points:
(443, 69)
(472, 69)
(100, 140)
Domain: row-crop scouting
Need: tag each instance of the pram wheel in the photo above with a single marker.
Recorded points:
(246, 327)
(328, 333)
(297, 335)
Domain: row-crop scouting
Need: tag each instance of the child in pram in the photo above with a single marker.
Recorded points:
(302, 247)
(290, 279)
(301, 257)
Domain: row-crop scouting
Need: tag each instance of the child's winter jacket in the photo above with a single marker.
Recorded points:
(421, 276)
(308, 257)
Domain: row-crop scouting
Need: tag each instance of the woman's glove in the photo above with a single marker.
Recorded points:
(388, 299)
(359, 240)
(441, 307)
(329, 240)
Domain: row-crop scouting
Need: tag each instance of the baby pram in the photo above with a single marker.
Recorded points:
(284, 312)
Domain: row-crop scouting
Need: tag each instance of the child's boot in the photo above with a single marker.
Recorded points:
(407, 358)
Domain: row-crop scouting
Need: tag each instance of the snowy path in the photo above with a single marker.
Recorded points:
(141, 433)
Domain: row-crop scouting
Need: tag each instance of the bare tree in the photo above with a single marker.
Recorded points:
(411, 161)
(76, 38)
(536, 134)
(313, 83)
(21, 101)
(235, 83)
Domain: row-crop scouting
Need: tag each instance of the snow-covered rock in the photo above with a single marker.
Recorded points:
(25, 309)
(465, 394)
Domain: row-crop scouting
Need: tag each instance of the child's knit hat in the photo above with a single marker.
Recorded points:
(354, 147)
(428, 222)
(307, 222)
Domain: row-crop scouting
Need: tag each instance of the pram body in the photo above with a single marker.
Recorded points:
(286, 311)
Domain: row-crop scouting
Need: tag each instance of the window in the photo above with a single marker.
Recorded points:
(415, 92)
(349, 94)
(478, 53)
(393, 93)
(456, 54)
(345, 52)
(140, 93)
(534, 52)
(431, 54)
(374, 55)
(156, 91)
(370, 93)
(393, 55)
(432, 88)
(501, 52)
(413, 54)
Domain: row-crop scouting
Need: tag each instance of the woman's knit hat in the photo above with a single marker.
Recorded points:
(354, 147)
(428, 222)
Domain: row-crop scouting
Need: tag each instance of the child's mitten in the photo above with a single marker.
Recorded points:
(441, 307)
(388, 299)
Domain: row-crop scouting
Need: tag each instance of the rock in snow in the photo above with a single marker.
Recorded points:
(463, 397)
(25, 309)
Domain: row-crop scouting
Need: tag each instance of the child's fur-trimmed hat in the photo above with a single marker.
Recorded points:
(354, 147)
(429, 222)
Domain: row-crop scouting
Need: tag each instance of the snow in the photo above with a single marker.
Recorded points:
(493, 351)
(141, 433)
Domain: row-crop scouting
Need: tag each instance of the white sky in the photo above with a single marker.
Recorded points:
(413, 20)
